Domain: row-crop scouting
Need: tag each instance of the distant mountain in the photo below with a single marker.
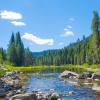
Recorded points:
(38, 54)
(43, 53)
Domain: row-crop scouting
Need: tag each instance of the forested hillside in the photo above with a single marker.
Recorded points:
(83, 51)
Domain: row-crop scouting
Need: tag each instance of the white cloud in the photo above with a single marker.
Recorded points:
(66, 29)
(61, 43)
(37, 40)
(67, 33)
(71, 19)
(17, 23)
(10, 15)
(69, 26)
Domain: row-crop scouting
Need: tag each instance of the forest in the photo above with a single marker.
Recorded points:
(83, 51)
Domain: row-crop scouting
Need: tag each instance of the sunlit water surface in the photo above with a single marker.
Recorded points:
(47, 82)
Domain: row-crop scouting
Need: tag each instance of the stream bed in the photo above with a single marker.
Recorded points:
(51, 82)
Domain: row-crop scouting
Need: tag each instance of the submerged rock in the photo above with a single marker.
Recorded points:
(70, 93)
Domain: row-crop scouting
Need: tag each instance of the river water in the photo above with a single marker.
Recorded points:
(51, 82)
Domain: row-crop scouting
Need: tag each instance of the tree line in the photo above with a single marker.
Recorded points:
(83, 51)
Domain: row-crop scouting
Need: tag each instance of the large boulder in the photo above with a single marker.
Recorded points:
(68, 74)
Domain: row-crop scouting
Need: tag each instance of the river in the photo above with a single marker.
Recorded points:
(51, 82)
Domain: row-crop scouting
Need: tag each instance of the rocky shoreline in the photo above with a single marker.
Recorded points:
(12, 85)
(89, 77)
(13, 88)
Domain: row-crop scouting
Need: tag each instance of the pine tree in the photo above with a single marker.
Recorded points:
(11, 51)
(28, 57)
(1, 56)
(19, 49)
(96, 38)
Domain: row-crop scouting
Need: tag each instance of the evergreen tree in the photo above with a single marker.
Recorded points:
(28, 57)
(19, 49)
(11, 51)
(95, 47)
(2, 58)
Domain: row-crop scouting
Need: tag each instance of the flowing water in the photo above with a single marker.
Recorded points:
(51, 82)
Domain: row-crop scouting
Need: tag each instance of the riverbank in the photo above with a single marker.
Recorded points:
(51, 68)
(12, 83)
(13, 87)
(13, 78)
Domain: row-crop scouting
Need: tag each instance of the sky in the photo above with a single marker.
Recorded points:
(46, 24)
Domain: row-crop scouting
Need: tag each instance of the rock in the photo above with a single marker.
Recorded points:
(87, 83)
(54, 96)
(11, 93)
(13, 73)
(18, 91)
(96, 88)
(6, 98)
(97, 80)
(24, 97)
(96, 76)
(36, 96)
(86, 74)
(2, 92)
(70, 93)
(68, 74)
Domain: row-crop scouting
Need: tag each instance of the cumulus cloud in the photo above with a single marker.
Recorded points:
(67, 33)
(71, 19)
(17, 23)
(37, 40)
(10, 15)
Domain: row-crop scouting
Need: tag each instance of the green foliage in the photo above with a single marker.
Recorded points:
(28, 57)
(95, 22)
(2, 55)
(11, 51)
(16, 54)
(19, 50)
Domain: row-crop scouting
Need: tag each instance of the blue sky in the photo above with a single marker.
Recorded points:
(46, 24)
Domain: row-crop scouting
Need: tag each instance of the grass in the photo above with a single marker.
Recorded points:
(52, 68)
(2, 72)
